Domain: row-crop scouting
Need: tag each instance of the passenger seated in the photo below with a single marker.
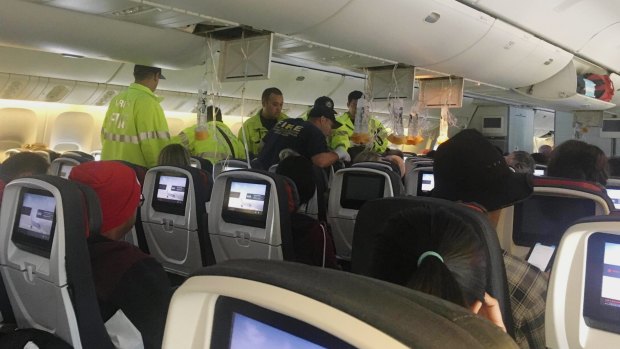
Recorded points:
(579, 160)
(313, 241)
(614, 166)
(21, 165)
(125, 278)
(521, 161)
(368, 155)
(434, 251)
(174, 155)
(468, 168)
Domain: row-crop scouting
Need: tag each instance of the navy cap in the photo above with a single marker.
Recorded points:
(324, 106)
(146, 69)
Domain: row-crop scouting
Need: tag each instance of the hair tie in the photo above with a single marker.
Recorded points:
(429, 253)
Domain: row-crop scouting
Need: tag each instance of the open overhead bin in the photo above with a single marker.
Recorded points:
(561, 91)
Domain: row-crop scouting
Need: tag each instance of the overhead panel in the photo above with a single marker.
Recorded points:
(397, 29)
(508, 57)
(604, 48)
(570, 23)
(53, 65)
(281, 16)
(64, 31)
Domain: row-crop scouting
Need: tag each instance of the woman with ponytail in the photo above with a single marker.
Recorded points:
(434, 251)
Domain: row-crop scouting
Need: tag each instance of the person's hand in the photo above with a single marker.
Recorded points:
(490, 310)
(343, 154)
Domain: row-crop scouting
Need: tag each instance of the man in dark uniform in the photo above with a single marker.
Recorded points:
(308, 138)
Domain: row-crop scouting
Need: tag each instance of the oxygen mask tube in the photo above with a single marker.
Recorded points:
(202, 132)
(360, 134)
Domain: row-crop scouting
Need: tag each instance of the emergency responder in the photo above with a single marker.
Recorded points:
(307, 138)
(135, 128)
(341, 138)
(220, 143)
(257, 126)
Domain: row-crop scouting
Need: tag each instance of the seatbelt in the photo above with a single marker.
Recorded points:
(232, 150)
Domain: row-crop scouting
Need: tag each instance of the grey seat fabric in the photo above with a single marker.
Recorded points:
(415, 319)
(373, 216)
(54, 289)
(232, 239)
(178, 240)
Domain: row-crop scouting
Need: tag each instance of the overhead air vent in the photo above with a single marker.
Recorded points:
(12, 90)
(105, 98)
(57, 94)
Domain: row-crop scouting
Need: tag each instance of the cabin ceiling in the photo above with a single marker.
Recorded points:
(393, 33)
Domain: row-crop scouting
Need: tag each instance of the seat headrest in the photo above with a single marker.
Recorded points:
(293, 195)
(374, 302)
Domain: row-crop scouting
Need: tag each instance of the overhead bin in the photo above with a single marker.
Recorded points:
(603, 47)
(560, 21)
(281, 16)
(507, 56)
(561, 91)
(95, 36)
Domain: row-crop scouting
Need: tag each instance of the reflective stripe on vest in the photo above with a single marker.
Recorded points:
(143, 136)
(109, 136)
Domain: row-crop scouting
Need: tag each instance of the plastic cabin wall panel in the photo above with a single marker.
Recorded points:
(564, 129)
(520, 129)
(73, 128)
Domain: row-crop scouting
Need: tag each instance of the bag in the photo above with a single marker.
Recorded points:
(604, 87)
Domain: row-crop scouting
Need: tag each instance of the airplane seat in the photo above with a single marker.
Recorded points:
(419, 181)
(136, 235)
(545, 215)
(416, 161)
(78, 155)
(613, 191)
(174, 218)
(540, 170)
(249, 216)
(391, 169)
(227, 165)
(316, 207)
(239, 303)
(374, 214)
(201, 163)
(583, 300)
(350, 189)
(44, 259)
(273, 168)
(62, 166)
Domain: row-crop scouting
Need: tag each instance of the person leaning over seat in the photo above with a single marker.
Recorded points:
(307, 138)
(255, 128)
(220, 143)
(135, 127)
(341, 137)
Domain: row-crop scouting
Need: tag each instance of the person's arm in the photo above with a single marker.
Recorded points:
(324, 159)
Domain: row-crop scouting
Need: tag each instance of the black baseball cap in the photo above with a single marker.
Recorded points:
(146, 69)
(324, 106)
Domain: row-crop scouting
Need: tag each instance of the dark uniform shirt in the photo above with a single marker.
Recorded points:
(296, 134)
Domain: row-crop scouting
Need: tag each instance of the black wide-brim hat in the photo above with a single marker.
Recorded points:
(469, 168)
